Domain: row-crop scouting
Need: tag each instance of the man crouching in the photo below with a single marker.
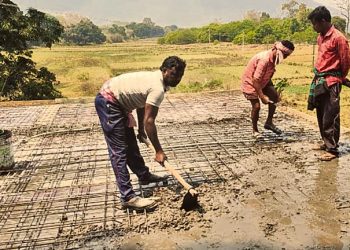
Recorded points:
(256, 83)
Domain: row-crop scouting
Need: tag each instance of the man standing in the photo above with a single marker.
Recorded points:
(331, 68)
(143, 91)
(256, 83)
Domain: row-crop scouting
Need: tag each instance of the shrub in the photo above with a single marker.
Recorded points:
(89, 89)
(199, 86)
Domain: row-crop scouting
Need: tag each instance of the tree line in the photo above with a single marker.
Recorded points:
(256, 28)
(86, 32)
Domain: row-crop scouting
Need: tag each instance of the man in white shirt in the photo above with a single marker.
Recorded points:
(143, 91)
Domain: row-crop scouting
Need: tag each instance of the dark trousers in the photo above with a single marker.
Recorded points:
(328, 117)
(122, 145)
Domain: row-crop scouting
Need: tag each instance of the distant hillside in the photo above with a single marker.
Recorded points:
(119, 23)
(67, 19)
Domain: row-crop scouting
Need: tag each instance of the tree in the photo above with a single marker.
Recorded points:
(291, 7)
(249, 30)
(116, 29)
(264, 16)
(269, 39)
(232, 29)
(308, 35)
(262, 31)
(252, 15)
(145, 29)
(18, 73)
(245, 38)
(301, 16)
(339, 23)
(44, 29)
(170, 28)
(344, 6)
(117, 34)
(115, 38)
(148, 21)
(180, 36)
(84, 32)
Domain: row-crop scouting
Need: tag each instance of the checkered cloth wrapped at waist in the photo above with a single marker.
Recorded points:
(319, 87)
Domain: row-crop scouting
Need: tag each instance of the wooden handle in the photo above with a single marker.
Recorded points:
(177, 175)
(168, 167)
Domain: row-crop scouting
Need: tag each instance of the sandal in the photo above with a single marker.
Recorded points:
(327, 156)
(273, 128)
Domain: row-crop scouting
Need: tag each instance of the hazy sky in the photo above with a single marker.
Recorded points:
(183, 13)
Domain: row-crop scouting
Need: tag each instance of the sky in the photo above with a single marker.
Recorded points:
(183, 13)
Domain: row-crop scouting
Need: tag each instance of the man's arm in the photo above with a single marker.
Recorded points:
(343, 50)
(257, 86)
(346, 82)
(140, 121)
(150, 115)
(264, 98)
(257, 76)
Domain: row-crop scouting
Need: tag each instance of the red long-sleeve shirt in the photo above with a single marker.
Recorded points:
(333, 55)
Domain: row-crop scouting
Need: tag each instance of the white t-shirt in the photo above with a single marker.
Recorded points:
(134, 90)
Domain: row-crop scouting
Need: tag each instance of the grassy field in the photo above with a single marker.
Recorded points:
(82, 70)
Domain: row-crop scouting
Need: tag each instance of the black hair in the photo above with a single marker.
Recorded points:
(288, 44)
(319, 14)
(173, 61)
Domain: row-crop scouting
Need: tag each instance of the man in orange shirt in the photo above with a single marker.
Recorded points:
(256, 82)
(331, 69)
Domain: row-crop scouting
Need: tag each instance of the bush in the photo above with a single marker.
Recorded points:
(115, 38)
(83, 77)
(282, 84)
(40, 88)
(213, 85)
(199, 86)
(89, 89)
(183, 36)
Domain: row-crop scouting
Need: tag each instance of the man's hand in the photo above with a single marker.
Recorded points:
(141, 136)
(160, 157)
(346, 82)
(265, 99)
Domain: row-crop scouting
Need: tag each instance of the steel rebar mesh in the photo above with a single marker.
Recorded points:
(63, 187)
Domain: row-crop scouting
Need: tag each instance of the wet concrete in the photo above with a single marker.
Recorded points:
(283, 198)
(287, 201)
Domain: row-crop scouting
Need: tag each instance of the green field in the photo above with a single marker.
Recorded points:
(82, 70)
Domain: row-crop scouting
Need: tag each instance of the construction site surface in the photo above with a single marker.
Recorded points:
(254, 193)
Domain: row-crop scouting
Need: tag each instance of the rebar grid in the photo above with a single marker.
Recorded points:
(62, 185)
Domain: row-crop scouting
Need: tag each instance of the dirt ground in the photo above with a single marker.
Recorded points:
(267, 193)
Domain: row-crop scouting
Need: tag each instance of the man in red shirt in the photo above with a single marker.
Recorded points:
(256, 82)
(331, 69)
